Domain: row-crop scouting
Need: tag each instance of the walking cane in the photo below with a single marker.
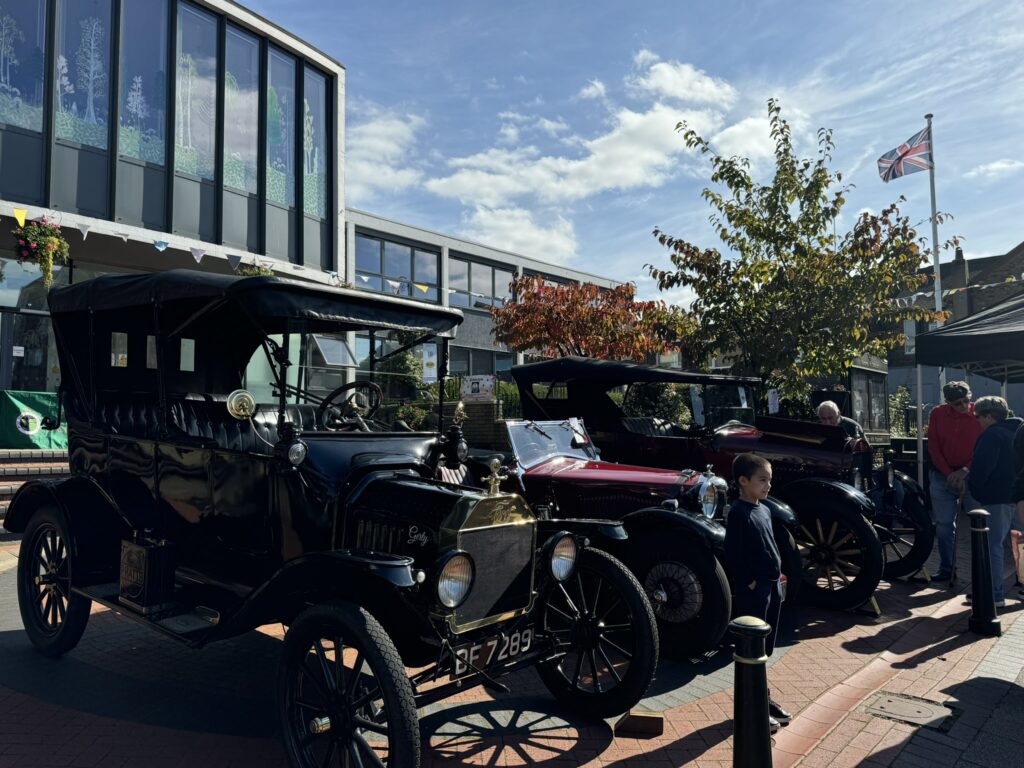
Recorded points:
(956, 540)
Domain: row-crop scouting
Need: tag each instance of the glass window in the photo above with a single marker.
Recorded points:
(397, 260)
(188, 355)
(83, 61)
(367, 254)
(481, 280)
(458, 362)
(281, 130)
(119, 350)
(458, 274)
(22, 57)
(503, 365)
(481, 362)
(241, 110)
(314, 145)
(195, 123)
(425, 267)
(141, 132)
(502, 281)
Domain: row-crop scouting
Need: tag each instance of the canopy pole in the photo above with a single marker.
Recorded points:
(1002, 389)
(935, 240)
(920, 431)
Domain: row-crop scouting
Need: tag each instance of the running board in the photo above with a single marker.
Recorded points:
(191, 627)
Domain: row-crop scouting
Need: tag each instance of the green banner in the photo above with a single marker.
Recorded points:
(21, 421)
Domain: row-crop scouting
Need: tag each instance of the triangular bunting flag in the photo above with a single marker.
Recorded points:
(160, 245)
(84, 229)
(234, 262)
(393, 283)
(421, 288)
(19, 215)
(198, 253)
(123, 236)
(364, 278)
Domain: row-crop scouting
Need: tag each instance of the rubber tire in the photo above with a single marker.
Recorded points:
(704, 631)
(912, 562)
(362, 630)
(642, 667)
(51, 645)
(863, 586)
(791, 563)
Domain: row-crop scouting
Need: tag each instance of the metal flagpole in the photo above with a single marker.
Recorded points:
(935, 237)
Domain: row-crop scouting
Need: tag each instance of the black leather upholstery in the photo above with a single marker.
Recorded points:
(136, 416)
(651, 426)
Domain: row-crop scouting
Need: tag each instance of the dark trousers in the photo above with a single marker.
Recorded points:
(763, 601)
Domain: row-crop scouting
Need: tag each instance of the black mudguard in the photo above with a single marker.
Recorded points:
(816, 490)
(606, 535)
(781, 512)
(659, 521)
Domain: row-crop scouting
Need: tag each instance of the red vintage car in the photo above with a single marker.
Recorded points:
(818, 471)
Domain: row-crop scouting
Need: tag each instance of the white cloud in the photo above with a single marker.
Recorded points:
(552, 127)
(995, 170)
(508, 134)
(750, 138)
(379, 145)
(644, 58)
(593, 90)
(639, 150)
(491, 84)
(683, 82)
(515, 229)
(513, 117)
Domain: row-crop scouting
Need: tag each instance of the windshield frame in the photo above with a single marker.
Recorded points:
(558, 434)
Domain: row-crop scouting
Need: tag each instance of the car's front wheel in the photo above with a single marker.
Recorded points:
(603, 622)
(54, 618)
(344, 695)
(689, 592)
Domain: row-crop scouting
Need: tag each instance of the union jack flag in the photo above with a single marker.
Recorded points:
(910, 157)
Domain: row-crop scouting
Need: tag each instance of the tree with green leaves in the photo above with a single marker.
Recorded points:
(790, 299)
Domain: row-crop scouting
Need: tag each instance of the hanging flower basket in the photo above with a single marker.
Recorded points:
(41, 242)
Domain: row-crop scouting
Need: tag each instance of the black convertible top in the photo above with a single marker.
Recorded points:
(613, 373)
(274, 301)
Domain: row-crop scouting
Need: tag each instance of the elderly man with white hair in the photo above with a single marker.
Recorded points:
(828, 413)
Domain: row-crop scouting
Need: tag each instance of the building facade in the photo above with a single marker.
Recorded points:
(193, 133)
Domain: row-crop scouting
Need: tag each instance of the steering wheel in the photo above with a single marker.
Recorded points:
(345, 415)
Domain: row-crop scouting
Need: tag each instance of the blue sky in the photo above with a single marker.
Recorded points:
(547, 128)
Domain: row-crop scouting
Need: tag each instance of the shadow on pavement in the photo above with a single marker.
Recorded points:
(511, 731)
(148, 679)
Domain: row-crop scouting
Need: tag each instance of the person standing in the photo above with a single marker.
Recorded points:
(991, 479)
(952, 433)
(753, 556)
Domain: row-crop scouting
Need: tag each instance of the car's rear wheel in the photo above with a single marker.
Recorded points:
(54, 618)
(689, 592)
(907, 534)
(842, 559)
(344, 696)
(602, 620)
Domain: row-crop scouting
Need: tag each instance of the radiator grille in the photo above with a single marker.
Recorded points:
(503, 556)
(378, 536)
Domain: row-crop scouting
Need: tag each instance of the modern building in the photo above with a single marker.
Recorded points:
(173, 133)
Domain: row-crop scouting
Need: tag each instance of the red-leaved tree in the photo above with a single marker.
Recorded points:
(583, 319)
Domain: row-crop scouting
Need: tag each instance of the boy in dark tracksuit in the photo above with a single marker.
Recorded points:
(753, 556)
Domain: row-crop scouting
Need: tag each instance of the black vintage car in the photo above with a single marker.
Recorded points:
(843, 534)
(202, 512)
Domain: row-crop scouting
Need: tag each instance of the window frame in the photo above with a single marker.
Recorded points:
(366, 279)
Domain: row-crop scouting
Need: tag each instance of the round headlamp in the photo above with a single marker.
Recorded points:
(297, 453)
(563, 557)
(712, 493)
(455, 580)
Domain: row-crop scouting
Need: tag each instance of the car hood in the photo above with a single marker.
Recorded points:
(582, 471)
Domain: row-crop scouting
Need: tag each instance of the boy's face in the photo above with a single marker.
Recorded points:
(757, 486)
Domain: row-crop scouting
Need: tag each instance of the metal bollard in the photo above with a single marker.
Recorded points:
(752, 738)
(983, 603)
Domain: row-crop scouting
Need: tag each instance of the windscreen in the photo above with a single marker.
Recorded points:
(537, 441)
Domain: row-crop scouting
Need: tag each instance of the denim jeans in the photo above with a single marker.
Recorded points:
(945, 505)
(763, 601)
(999, 521)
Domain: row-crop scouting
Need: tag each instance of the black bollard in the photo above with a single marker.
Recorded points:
(752, 738)
(983, 603)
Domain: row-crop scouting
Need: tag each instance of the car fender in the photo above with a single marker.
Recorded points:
(818, 490)
(372, 580)
(95, 543)
(660, 520)
(781, 512)
(910, 485)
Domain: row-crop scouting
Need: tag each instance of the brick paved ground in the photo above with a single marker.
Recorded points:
(130, 697)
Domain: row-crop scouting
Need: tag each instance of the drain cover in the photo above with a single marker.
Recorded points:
(909, 710)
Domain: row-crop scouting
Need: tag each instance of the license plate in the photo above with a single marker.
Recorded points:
(482, 654)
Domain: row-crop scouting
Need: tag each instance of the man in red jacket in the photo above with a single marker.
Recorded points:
(952, 433)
